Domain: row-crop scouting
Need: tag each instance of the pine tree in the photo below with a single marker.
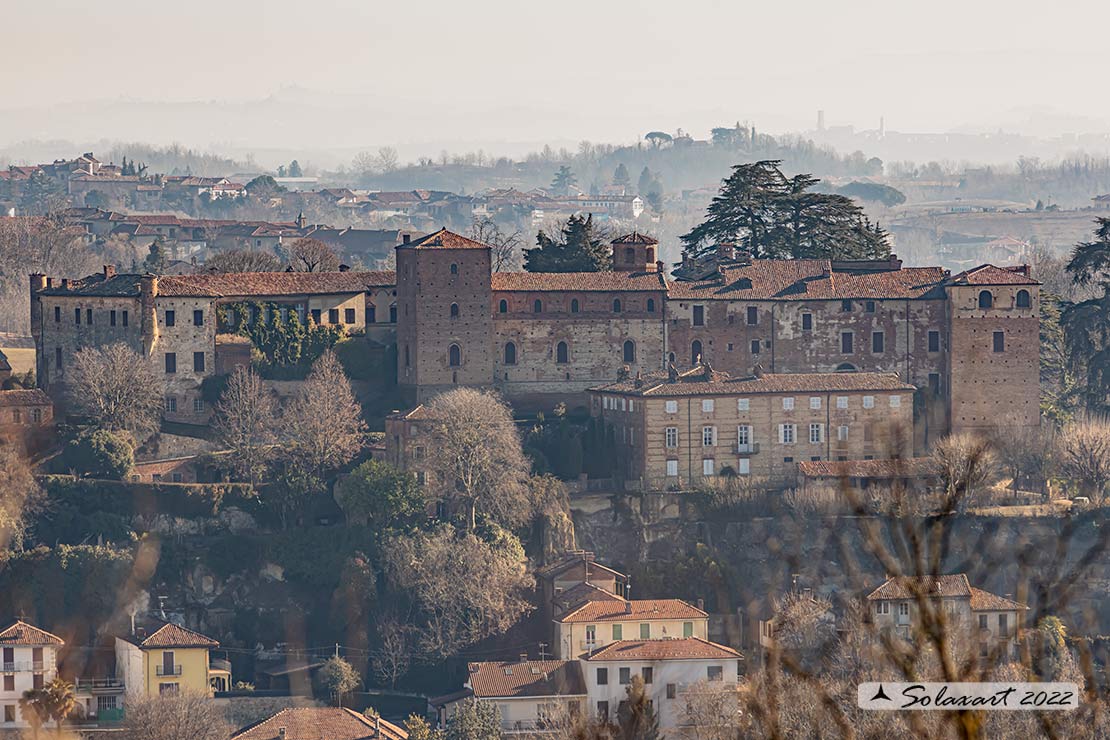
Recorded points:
(644, 182)
(564, 180)
(580, 249)
(295, 169)
(621, 177)
(156, 259)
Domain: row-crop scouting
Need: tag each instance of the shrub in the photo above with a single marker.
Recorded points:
(100, 454)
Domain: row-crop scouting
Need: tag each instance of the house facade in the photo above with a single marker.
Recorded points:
(532, 696)
(28, 660)
(599, 623)
(169, 659)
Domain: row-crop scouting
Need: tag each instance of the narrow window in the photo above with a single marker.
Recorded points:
(651, 305)
(198, 317)
(699, 315)
(125, 318)
(198, 362)
(112, 318)
(846, 342)
(934, 341)
(999, 341)
(755, 346)
(574, 305)
(371, 314)
(986, 299)
(877, 342)
(171, 362)
(753, 316)
(57, 358)
(602, 676)
(171, 318)
(348, 316)
(695, 352)
(562, 353)
(393, 314)
(77, 316)
(454, 356)
(807, 322)
(407, 363)
(333, 315)
(1023, 300)
(869, 306)
(616, 305)
(629, 351)
(454, 310)
(510, 354)
(57, 314)
(88, 316)
(454, 269)
(315, 316)
(537, 306)
(503, 306)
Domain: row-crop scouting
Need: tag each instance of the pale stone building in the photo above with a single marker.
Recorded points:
(29, 661)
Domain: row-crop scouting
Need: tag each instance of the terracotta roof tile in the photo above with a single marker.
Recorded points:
(608, 610)
(526, 678)
(985, 601)
(21, 633)
(635, 238)
(174, 635)
(699, 382)
(686, 648)
(320, 723)
(991, 275)
(231, 284)
(576, 281)
(22, 397)
(580, 594)
(444, 239)
(909, 587)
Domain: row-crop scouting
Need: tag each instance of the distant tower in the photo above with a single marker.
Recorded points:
(635, 252)
(882, 127)
(820, 120)
(301, 220)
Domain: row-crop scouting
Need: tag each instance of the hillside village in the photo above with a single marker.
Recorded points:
(266, 476)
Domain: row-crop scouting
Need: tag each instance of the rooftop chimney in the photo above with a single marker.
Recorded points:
(523, 657)
(404, 238)
(344, 268)
(701, 604)
(65, 283)
(109, 271)
(659, 266)
(628, 607)
(281, 733)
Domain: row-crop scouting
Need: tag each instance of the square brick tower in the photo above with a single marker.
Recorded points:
(444, 315)
(635, 252)
(994, 346)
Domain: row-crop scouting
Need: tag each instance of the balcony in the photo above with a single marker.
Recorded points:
(23, 666)
(173, 670)
(99, 685)
(589, 645)
(751, 448)
(531, 726)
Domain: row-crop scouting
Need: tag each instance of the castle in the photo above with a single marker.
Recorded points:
(968, 343)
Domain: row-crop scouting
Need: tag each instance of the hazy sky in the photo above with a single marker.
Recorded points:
(573, 69)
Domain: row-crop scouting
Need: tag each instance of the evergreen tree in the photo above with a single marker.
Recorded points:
(621, 177)
(636, 716)
(644, 183)
(564, 180)
(775, 216)
(156, 259)
(475, 720)
(580, 249)
(1087, 323)
(281, 170)
(295, 169)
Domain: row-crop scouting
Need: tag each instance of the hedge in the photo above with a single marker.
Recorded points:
(126, 498)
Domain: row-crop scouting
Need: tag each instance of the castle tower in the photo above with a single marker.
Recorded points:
(993, 349)
(635, 252)
(444, 316)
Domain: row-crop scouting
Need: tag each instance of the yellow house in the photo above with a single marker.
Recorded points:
(169, 659)
(595, 624)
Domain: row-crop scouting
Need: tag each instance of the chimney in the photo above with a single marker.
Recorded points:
(281, 733)
(701, 604)
(132, 623)
(344, 268)
(758, 370)
(659, 266)
(628, 607)
(404, 238)
(523, 657)
(377, 726)
(109, 271)
(65, 283)
(49, 282)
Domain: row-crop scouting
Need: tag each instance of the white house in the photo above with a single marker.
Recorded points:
(30, 660)
(670, 669)
(598, 623)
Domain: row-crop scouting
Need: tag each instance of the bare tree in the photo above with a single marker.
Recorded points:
(711, 711)
(463, 589)
(1084, 452)
(506, 248)
(243, 260)
(117, 389)
(325, 418)
(311, 255)
(387, 159)
(967, 465)
(244, 421)
(173, 717)
(1024, 452)
(20, 497)
(476, 459)
(391, 659)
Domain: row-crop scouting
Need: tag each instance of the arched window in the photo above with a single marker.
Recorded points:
(454, 356)
(670, 357)
(616, 305)
(510, 354)
(393, 314)
(629, 351)
(371, 313)
(454, 269)
(562, 353)
(503, 306)
(574, 305)
(537, 306)
(986, 299)
(845, 367)
(1023, 299)
(695, 352)
(651, 305)
(454, 310)
(650, 254)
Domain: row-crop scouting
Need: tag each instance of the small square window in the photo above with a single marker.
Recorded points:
(815, 402)
(842, 434)
(788, 403)
(171, 318)
(624, 676)
(198, 317)
(895, 402)
(708, 466)
(707, 405)
(842, 402)
(755, 346)
(743, 404)
(869, 402)
(807, 322)
(869, 306)
(672, 407)
(672, 468)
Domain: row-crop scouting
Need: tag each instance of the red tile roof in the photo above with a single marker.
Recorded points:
(321, 723)
(615, 611)
(792, 280)
(571, 559)
(686, 648)
(635, 238)
(443, 239)
(174, 635)
(20, 397)
(21, 633)
(534, 282)
(982, 601)
(991, 275)
(908, 587)
(894, 468)
(526, 678)
(700, 382)
(579, 594)
(232, 284)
